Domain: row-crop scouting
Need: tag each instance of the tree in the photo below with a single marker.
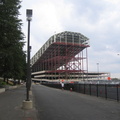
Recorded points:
(12, 56)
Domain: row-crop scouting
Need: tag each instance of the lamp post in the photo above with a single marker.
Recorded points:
(28, 82)
(27, 104)
(98, 70)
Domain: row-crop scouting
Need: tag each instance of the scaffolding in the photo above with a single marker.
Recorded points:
(63, 56)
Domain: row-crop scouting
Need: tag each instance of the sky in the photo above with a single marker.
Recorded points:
(99, 20)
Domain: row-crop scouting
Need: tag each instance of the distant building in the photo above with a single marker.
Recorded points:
(64, 56)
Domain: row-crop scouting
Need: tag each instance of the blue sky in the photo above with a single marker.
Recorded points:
(99, 20)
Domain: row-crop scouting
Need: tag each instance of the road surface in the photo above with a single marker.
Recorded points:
(56, 104)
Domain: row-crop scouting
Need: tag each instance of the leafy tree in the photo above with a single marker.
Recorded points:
(12, 56)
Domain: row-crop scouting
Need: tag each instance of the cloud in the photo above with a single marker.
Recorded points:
(96, 19)
(47, 17)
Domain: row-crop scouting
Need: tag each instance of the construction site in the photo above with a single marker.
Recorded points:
(64, 57)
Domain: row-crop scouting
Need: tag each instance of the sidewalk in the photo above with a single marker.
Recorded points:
(11, 105)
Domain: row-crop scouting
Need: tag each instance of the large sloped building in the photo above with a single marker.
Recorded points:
(63, 57)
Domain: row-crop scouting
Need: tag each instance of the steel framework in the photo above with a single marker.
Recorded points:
(63, 56)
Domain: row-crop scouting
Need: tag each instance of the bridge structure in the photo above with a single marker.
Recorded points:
(62, 58)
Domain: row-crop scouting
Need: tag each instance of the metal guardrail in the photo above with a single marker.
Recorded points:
(107, 91)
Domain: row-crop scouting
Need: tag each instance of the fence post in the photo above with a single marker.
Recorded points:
(105, 91)
(90, 88)
(117, 94)
(79, 87)
(84, 88)
(97, 90)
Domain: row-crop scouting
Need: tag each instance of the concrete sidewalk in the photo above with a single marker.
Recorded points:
(11, 105)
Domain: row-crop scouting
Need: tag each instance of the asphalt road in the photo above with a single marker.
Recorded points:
(56, 104)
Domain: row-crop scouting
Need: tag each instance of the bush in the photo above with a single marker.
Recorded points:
(2, 83)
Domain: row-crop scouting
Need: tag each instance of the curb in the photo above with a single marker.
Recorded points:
(2, 90)
(8, 88)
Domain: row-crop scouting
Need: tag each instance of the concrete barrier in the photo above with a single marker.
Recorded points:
(27, 104)
(12, 87)
(2, 90)
(7, 87)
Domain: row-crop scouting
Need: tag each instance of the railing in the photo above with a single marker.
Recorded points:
(107, 91)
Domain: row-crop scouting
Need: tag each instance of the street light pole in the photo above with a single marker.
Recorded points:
(27, 104)
(28, 82)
